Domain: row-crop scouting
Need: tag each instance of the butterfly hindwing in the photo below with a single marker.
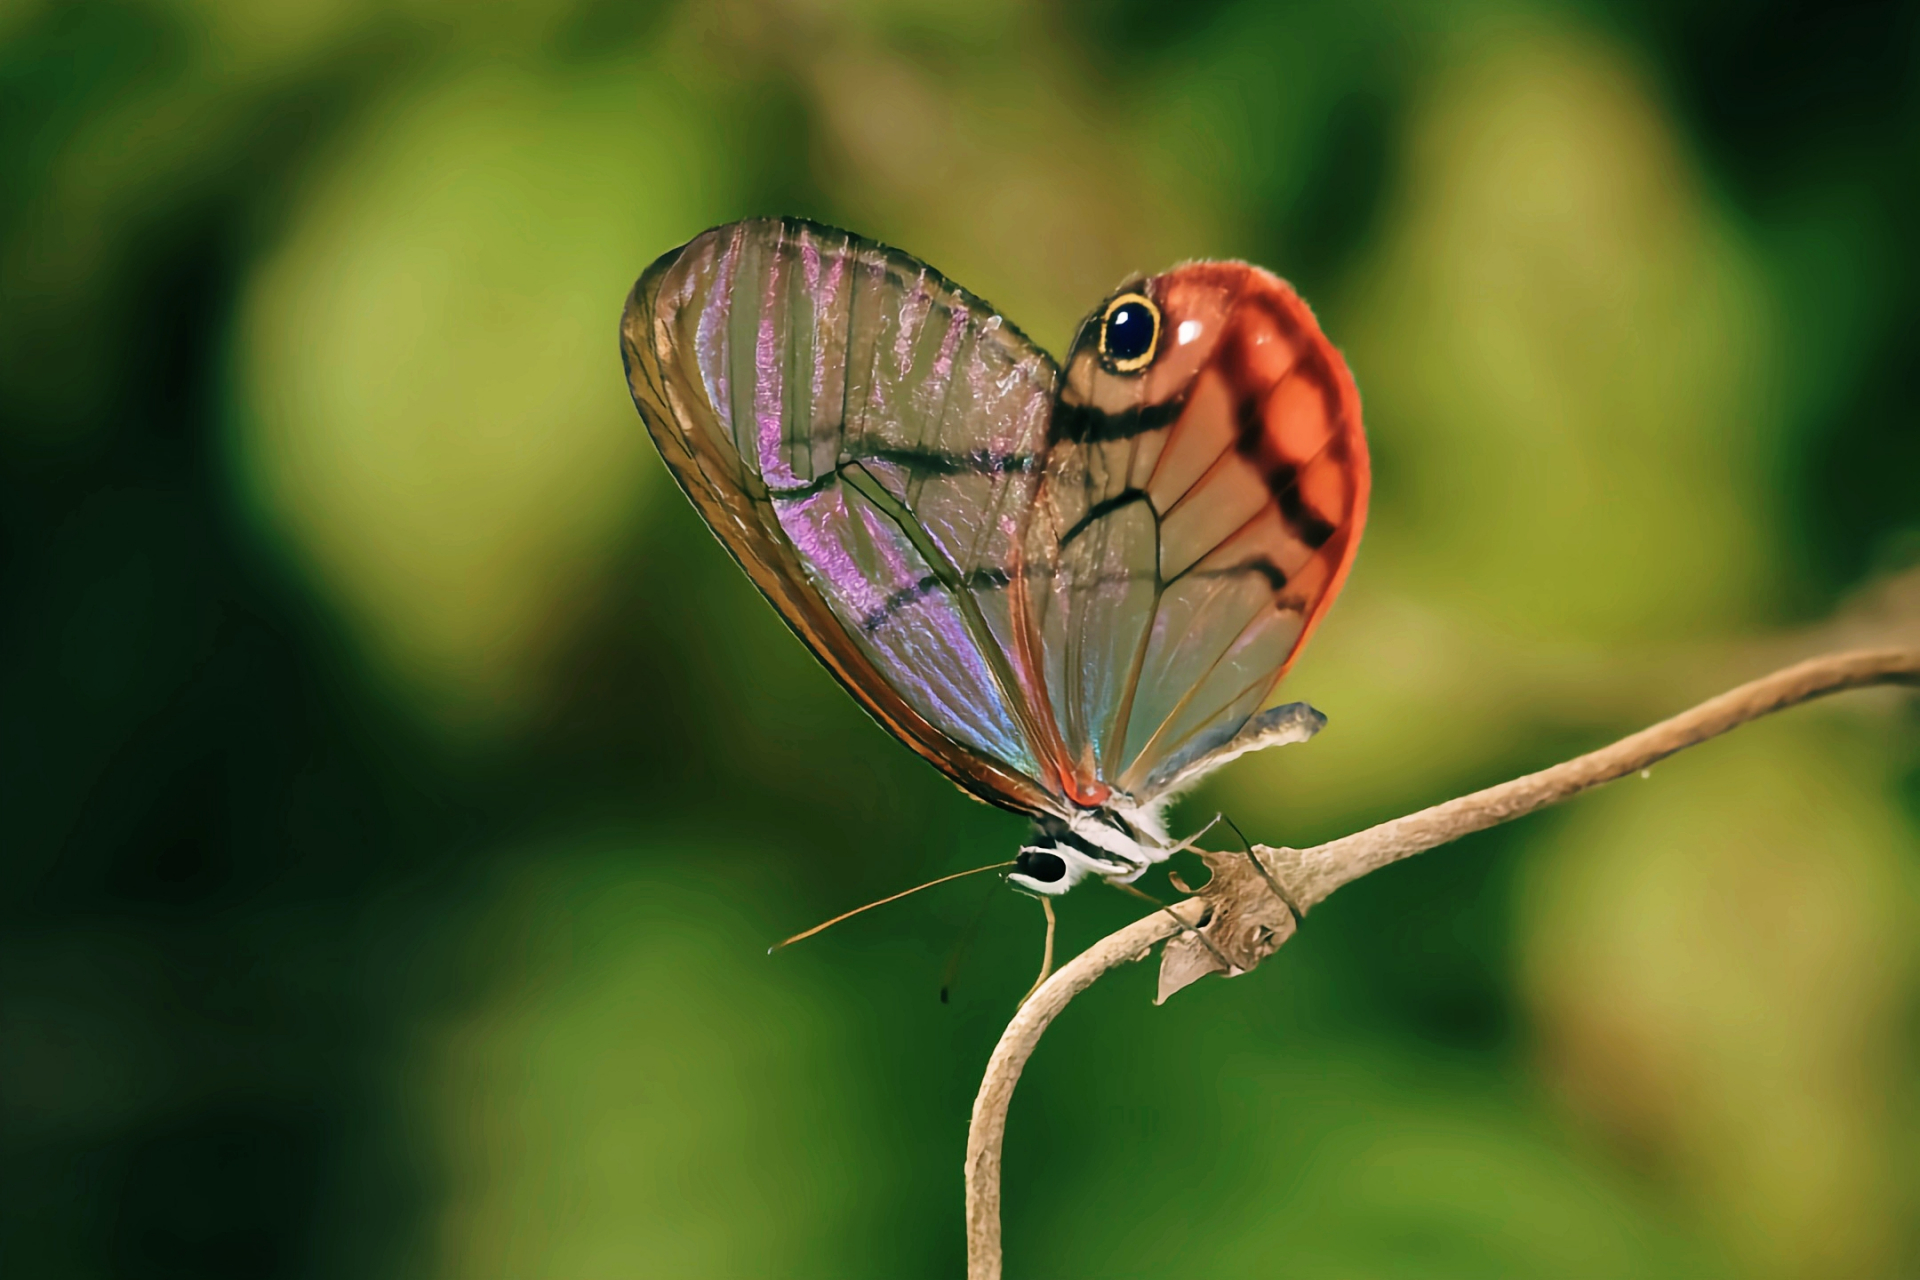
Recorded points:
(866, 439)
(1197, 515)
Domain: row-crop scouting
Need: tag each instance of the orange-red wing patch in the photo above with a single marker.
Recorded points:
(1197, 519)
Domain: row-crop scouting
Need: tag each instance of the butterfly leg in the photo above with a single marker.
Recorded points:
(1197, 836)
(1046, 957)
(1279, 890)
(1197, 933)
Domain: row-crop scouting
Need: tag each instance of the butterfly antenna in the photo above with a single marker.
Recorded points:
(1046, 957)
(1266, 875)
(1205, 941)
(846, 915)
(966, 940)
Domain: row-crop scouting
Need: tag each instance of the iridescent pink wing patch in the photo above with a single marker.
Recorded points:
(865, 437)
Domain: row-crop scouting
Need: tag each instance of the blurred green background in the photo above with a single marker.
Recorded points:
(399, 787)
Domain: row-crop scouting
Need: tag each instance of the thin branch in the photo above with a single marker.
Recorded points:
(1317, 872)
(989, 1126)
(1241, 902)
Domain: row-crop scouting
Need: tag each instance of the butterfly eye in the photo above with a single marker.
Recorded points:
(1039, 865)
(1129, 333)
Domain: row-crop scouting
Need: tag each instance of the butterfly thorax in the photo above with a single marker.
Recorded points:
(1113, 842)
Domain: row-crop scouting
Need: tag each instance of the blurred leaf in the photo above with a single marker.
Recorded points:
(432, 412)
(640, 1086)
(1563, 350)
(1717, 958)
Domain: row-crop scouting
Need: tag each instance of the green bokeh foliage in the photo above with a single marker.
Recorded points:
(398, 787)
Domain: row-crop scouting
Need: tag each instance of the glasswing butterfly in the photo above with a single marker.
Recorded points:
(1069, 589)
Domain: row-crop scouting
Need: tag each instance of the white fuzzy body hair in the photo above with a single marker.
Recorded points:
(1098, 842)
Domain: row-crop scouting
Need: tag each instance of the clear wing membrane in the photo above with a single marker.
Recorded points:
(865, 437)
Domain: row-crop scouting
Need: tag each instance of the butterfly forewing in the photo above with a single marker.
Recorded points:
(865, 438)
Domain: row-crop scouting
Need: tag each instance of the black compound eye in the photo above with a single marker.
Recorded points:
(1036, 865)
(1129, 332)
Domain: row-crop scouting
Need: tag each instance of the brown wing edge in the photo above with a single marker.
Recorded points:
(773, 564)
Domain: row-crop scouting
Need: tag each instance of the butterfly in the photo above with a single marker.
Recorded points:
(1071, 588)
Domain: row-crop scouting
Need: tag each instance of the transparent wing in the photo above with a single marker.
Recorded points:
(865, 438)
(1197, 518)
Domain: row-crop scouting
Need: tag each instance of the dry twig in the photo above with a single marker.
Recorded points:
(1243, 920)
